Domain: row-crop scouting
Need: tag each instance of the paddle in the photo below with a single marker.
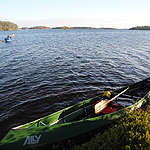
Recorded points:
(103, 104)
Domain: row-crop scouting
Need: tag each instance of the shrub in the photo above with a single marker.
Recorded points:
(131, 132)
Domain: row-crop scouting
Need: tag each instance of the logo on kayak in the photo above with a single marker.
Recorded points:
(32, 140)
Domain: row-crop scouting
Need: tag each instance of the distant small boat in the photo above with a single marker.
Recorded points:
(7, 40)
(76, 119)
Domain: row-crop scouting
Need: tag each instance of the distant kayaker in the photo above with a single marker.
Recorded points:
(9, 37)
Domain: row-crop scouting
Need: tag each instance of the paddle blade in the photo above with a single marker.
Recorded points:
(3, 41)
(13, 34)
(100, 106)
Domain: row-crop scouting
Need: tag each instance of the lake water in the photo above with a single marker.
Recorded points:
(43, 71)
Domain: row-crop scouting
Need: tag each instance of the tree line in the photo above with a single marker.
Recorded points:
(36, 27)
(65, 27)
(140, 28)
(6, 25)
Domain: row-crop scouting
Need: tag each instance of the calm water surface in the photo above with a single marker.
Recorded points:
(43, 71)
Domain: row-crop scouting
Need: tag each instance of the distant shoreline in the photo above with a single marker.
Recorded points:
(64, 27)
(9, 26)
(140, 28)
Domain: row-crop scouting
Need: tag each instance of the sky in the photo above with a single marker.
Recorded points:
(121, 14)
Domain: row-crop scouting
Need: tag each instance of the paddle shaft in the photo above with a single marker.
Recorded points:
(118, 94)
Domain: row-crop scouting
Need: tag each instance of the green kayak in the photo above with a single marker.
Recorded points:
(77, 119)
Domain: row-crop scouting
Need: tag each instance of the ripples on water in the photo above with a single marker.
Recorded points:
(43, 71)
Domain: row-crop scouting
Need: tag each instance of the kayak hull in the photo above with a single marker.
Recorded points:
(8, 40)
(66, 123)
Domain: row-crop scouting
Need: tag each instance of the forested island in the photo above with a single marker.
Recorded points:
(140, 28)
(36, 27)
(6, 25)
(65, 27)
